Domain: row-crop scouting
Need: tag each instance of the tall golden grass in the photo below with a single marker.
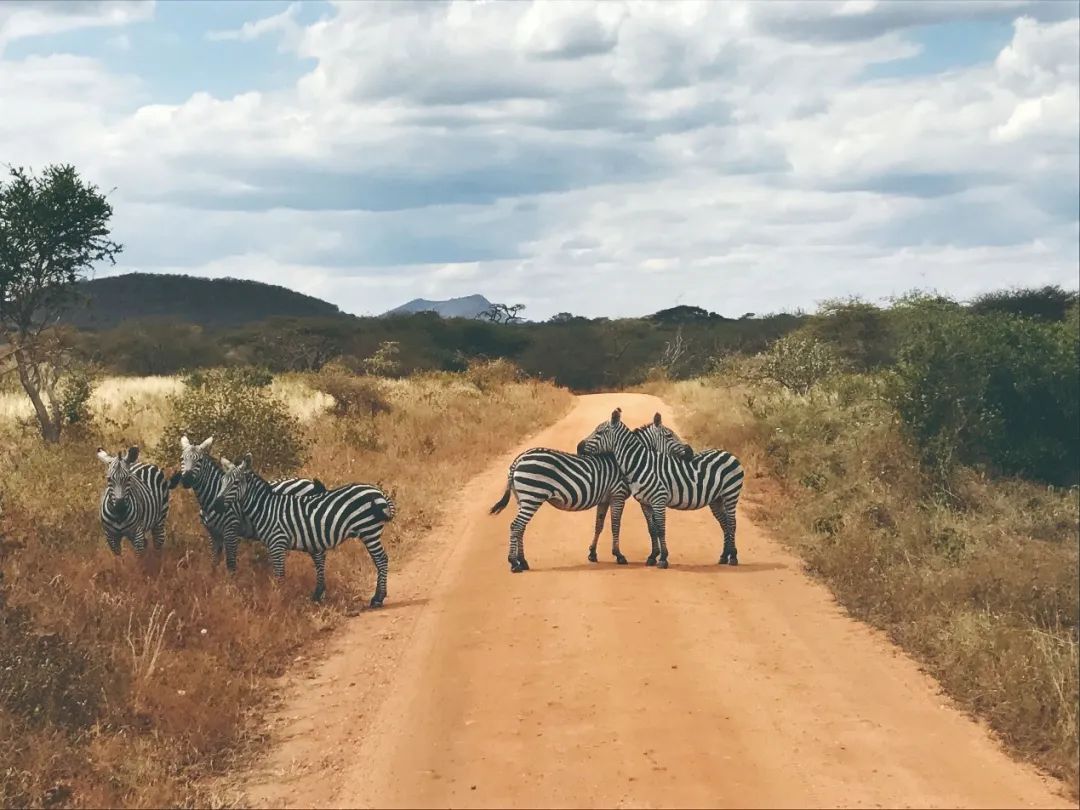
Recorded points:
(982, 587)
(128, 683)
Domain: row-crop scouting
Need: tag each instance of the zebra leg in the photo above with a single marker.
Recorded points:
(276, 548)
(375, 548)
(215, 539)
(319, 558)
(659, 519)
(114, 542)
(516, 557)
(138, 539)
(646, 510)
(231, 543)
(725, 514)
(159, 536)
(617, 504)
(601, 513)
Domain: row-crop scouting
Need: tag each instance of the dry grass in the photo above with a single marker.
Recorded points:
(983, 590)
(131, 683)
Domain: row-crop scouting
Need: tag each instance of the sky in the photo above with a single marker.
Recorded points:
(609, 158)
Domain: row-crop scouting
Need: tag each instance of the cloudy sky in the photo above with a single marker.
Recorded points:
(606, 159)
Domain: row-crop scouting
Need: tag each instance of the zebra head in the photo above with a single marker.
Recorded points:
(607, 436)
(663, 440)
(194, 459)
(234, 483)
(118, 479)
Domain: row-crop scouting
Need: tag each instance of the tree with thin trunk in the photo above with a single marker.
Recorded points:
(53, 228)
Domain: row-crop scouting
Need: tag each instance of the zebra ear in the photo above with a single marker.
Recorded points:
(105, 457)
(656, 419)
(184, 443)
(132, 454)
(246, 463)
(616, 416)
(206, 445)
(226, 464)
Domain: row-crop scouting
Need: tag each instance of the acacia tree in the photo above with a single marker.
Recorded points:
(502, 313)
(53, 228)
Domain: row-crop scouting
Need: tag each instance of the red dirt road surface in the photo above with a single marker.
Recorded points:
(594, 685)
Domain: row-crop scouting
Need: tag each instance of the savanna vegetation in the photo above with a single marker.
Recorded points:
(924, 460)
(130, 683)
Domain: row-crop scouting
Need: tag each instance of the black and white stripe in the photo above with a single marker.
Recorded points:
(310, 523)
(201, 473)
(572, 483)
(135, 502)
(713, 478)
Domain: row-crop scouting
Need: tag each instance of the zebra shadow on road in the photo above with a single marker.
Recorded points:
(685, 568)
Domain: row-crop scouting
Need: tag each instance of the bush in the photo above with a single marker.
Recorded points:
(384, 362)
(859, 332)
(487, 375)
(75, 391)
(997, 391)
(798, 362)
(353, 395)
(238, 410)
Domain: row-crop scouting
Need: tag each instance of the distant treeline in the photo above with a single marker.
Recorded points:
(579, 353)
(582, 354)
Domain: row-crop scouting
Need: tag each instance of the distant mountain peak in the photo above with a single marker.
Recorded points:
(468, 306)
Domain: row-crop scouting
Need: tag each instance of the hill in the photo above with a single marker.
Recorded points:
(467, 307)
(205, 301)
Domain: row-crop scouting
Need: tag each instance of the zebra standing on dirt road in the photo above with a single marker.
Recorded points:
(135, 501)
(572, 483)
(660, 439)
(312, 523)
(713, 478)
(202, 474)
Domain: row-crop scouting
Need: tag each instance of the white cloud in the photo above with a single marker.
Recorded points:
(21, 19)
(607, 158)
(283, 23)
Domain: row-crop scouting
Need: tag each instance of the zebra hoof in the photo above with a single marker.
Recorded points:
(317, 596)
(523, 564)
(651, 561)
(733, 560)
(376, 601)
(620, 559)
(662, 564)
(592, 556)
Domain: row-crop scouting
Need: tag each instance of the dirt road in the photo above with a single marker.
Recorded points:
(603, 686)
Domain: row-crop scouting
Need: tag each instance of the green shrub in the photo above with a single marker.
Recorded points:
(237, 408)
(997, 391)
(859, 332)
(384, 362)
(75, 391)
(799, 362)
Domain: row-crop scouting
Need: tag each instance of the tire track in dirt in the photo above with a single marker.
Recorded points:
(596, 685)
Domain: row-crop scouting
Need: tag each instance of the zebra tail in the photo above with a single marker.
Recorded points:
(388, 509)
(502, 501)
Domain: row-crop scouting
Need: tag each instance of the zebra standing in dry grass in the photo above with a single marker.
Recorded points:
(311, 523)
(202, 474)
(572, 483)
(135, 502)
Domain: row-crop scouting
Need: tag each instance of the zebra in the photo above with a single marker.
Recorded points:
(200, 472)
(313, 523)
(660, 439)
(571, 483)
(713, 478)
(135, 501)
